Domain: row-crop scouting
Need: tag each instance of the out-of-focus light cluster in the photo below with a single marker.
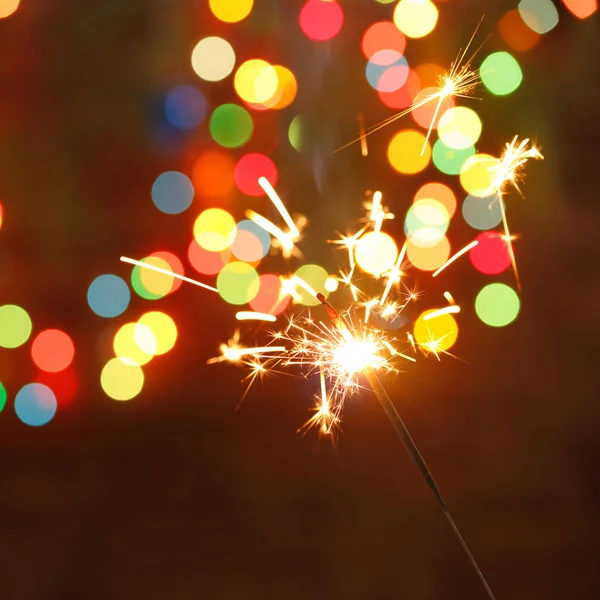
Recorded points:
(8, 7)
(321, 20)
(52, 352)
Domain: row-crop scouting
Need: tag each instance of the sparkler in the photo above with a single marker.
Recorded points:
(458, 82)
(505, 173)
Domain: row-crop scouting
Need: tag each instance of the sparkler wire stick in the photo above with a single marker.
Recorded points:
(419, 461)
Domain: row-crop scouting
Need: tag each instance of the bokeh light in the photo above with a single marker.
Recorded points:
(52, 350)
(296, 133)
(172, 192)
(382, 36)
(492, 255)
(8, 7)
(387, 71)
(426, 222)
(214, 229)
(108, 296)
(35, 404)
(238, 282)
(459, 127)
(582, 9)
(121, 380)
(249, 169)
(516, 33)
(404, 152)
(256, 81)
(213, 58)
(424, 114)
(497, 305)
(163, 329)
(435, 334)
(205, 261)
(477, 174)
(500, 73)
(375, 253)
(540, 15)
(332, 283)
(428, 257)
(3, 396)
(440, 192)
(403, 97)
(251, 242)
(15, 326)
(231, 11)
(231, 126)
(415, 18)
(284, 95)
(213, 174)
(315, 276)
(185, 107)
(321, 20)
(482, 213)
(135, 344)
(270, 297)
(1, 215)
(450, 160)
(152, 285)
(64, 384)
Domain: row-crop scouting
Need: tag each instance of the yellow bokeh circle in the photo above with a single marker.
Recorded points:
(163, 327)
(121, 380)
(231, 11)
(437, 334)
(415, 18)
(428, 257)
(214, 229)
(135, 343)
(316, 277)
(477, 175)
(256, 81)
(159, 284)
(404, 152)
(376, 253)
(459, 127)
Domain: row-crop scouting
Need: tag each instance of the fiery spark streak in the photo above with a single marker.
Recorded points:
(507, 172)
(447, 310)
(455, 257)
(144, 265)
(276, 200)
(246, 315)
(459, 82)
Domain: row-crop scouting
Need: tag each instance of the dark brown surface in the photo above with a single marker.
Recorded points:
(177, 496)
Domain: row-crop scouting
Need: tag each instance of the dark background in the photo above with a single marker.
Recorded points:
(175, 494)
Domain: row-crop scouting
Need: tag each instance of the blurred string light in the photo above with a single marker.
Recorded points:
(500, 73)
(172, 192)
(15, 326)
(582, 9)
(3, 396)
(249, 169)
(516, 33)
(231, 126)
(540, 16)
(415, 18)
(152, 284)
(256, 81)
(212, 174)
(121, 380)
(482, 213)
(52, 350)
(185, 107)
(492, 253)
(497, 305)
(108, 296)
(231, 11)
(8, 7)
(35, 404)
(213, 58)
(404, 152)
(321, 20)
